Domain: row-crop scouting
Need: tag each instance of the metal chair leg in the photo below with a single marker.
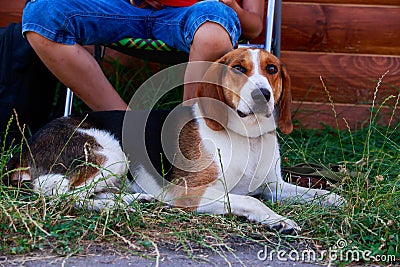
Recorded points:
(68, 102)
(277, 29)
(269, 27)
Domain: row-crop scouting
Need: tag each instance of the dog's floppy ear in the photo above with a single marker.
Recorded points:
(211, 99)
(285, 115)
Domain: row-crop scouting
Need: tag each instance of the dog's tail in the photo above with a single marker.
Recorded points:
(15, 176)
(11, 165)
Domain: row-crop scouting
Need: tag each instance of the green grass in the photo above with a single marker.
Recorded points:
(370, 221)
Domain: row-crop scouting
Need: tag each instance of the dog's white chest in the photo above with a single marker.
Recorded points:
(244, 163)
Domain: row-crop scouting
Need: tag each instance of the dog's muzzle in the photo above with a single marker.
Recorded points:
(260, 96)
(258, 103)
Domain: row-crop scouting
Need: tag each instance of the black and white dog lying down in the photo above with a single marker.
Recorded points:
(223, 150)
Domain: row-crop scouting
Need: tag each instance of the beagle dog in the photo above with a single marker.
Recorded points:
(218, 153)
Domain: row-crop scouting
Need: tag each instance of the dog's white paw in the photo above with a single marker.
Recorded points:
(144, 197)
(138, 197)
(282, 225)
(333, 199)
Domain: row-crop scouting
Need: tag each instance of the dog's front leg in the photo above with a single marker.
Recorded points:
(217, 202)
(285, 191)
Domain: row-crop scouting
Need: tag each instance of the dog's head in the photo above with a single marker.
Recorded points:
(247, 87)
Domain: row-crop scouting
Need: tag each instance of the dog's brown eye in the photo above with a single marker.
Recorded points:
(239, 68)
(271, 69)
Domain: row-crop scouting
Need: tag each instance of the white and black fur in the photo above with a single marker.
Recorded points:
(224, 155)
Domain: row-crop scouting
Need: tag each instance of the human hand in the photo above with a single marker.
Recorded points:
(154, 3)
(229, 3)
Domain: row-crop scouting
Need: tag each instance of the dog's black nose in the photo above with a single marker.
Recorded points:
(261, 95)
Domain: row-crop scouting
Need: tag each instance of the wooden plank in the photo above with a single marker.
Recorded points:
(318, 115)
(341, 28)
(362, 2)
(10, 11)
(348, 78)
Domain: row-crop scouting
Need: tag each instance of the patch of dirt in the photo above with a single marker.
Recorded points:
(233, 253)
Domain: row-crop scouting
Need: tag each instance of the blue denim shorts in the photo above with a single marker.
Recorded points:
(106, 21)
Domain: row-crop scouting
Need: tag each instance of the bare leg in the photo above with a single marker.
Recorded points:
(210, 42)
(77, 69)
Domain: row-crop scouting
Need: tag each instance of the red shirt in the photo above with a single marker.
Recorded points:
(183, 2)
(178, 2)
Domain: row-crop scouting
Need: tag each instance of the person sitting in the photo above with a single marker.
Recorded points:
(58, 29)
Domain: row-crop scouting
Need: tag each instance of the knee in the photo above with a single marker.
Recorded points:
(32, 37)
(37, 41)
(212, 36)
(211, 41)
(215, 25)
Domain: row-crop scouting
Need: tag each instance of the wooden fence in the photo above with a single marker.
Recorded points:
(336, 52)
(10, 11)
